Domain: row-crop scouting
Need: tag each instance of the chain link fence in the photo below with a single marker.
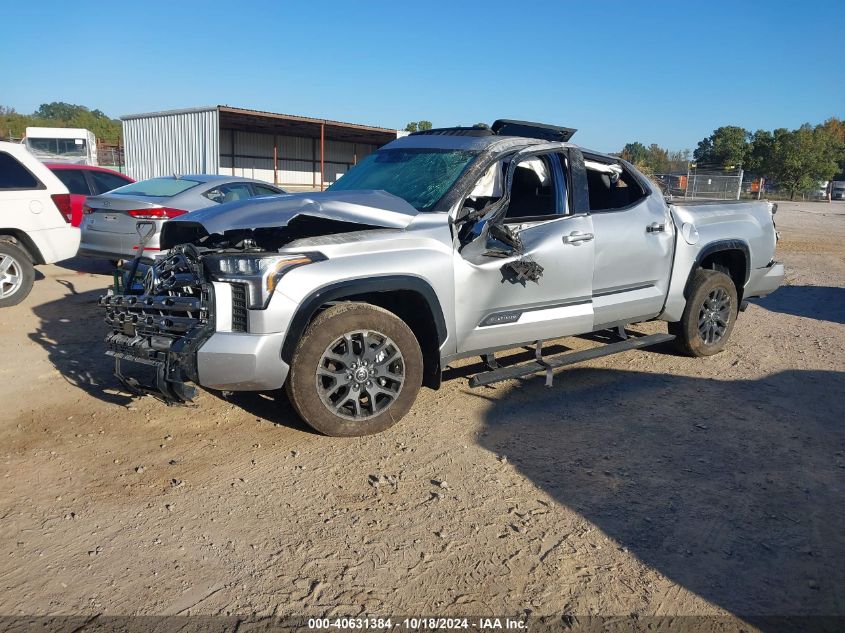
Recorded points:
(704, 182)
(112, 157)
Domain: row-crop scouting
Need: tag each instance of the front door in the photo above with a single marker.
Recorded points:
(537, 285)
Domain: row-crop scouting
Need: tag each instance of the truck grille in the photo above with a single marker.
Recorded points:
(171, 317)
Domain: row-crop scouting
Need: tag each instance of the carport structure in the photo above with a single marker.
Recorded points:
(295, 152)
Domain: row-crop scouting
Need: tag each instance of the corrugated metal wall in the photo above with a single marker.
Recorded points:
(177, 143)
(299, 158)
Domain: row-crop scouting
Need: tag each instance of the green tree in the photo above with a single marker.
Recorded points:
(679, 161)
(657, 159)
(651, 160)
(836, 128)
(725, 147)
(418, 126)
(59, 111)
(61, 114)
(760, 151)
(801, 158)
(634, 153)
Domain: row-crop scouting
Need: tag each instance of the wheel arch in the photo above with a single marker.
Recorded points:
(25, 242)
(411, 298)
(732, 256)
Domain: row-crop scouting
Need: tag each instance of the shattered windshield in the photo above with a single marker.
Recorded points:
(420, 176)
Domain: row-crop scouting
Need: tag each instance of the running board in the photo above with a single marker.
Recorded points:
(566, 358)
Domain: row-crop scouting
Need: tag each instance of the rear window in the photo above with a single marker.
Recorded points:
(262, 190)
(157, 187)
(74, 180)
(13, 175)
(105, 181)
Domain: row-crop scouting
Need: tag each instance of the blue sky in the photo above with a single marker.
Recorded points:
(658, 72)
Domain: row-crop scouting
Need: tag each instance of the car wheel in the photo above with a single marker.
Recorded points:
(709, 316)
(16, 274)
(356, 371)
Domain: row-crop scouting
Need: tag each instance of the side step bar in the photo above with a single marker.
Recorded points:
(566, 358)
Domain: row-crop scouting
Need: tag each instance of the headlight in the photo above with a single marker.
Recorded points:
(259, 271)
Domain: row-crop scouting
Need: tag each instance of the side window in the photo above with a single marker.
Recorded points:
(74, 180)
(13, 175)
(533, 192)
(611, 186)
(265, 190)
(229, 193)
(106, 182)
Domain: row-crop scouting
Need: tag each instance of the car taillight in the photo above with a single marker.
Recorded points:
(159, 213)
(62, 202)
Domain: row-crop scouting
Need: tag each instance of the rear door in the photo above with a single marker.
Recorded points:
(634, 243)
(502, 296)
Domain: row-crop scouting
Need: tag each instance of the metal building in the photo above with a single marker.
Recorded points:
(292, 151)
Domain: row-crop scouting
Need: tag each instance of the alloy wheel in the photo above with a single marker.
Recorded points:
(11, 276)
(360, 374)
(714, 316)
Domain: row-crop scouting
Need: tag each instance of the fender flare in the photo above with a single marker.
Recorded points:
(719, 246)
(340, 289)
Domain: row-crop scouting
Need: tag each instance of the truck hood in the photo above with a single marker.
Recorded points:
(368, 208)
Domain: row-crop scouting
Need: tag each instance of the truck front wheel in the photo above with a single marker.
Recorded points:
(709, 315)
(356, 371)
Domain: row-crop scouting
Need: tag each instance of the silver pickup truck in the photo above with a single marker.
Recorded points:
(441, 245)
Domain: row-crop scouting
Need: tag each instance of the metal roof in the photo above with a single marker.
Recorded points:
(146, 115)
(245, 119)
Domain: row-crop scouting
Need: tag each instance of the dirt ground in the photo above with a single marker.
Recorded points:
(646, 483)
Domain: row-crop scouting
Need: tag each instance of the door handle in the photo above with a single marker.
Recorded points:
(655, 227)
(576, 236)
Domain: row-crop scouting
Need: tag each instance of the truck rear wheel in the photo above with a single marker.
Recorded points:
(356, 371)
(709, 315)
(16, 274)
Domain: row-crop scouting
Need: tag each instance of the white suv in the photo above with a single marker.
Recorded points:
(34, 221)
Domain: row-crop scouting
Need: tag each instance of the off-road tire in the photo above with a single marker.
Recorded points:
(21, 262)
(329, 326)
(688, 338)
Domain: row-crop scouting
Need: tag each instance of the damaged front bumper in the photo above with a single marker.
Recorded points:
(170, 334)
(162, 333)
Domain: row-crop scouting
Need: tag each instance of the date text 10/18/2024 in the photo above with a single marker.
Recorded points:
(418, 624)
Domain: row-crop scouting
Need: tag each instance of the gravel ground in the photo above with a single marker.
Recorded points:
(646, 483)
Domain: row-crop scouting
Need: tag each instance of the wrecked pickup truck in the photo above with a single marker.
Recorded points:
(441, 245)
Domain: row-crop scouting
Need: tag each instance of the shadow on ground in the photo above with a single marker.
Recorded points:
(735, 490)
(272, 406)
(823, 303)
(72, 331)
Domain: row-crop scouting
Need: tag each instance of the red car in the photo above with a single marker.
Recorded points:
(83, 181)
